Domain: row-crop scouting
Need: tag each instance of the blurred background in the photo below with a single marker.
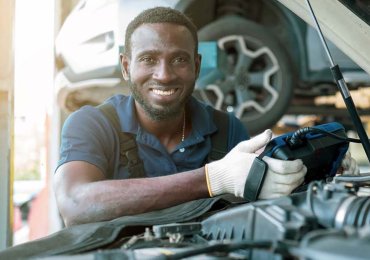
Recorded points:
(28, 30)
(36, 118)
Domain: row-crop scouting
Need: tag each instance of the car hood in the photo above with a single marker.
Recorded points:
(347, 29)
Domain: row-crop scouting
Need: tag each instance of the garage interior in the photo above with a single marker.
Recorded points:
(37, 216)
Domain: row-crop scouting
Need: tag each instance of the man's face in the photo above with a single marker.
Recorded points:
(162, 68)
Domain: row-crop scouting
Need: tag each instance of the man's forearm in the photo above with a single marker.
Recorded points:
(109, 199)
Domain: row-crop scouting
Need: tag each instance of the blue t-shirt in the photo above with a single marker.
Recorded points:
(87, 135)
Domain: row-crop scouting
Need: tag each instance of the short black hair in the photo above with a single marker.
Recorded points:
(159, 15)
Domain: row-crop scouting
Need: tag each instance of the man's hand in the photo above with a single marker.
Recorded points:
(282, 177)
(229, 174)
(349, 165)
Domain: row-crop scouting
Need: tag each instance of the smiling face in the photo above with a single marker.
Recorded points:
(162, 69)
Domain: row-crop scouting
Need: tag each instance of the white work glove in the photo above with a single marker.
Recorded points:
(349, 165)
(229, 174)
(282, 177)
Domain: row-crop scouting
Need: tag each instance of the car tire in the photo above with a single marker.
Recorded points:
(258, 77)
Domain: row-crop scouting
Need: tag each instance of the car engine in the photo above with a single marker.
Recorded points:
(330, 220)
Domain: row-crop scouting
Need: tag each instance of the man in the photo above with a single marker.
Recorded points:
(173, 134)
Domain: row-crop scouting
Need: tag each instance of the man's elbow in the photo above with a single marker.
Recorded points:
(70, 209)
(67, 202)
(70, 214)
(74, 210)
(71, 221)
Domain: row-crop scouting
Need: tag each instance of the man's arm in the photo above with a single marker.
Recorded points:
(88, 197)
(84, 195)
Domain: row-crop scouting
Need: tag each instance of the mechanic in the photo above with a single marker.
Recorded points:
(173, 133)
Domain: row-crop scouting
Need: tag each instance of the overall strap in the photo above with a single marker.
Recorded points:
(129, 154)
(219, 138)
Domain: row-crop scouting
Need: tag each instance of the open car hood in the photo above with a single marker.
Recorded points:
(348, 29)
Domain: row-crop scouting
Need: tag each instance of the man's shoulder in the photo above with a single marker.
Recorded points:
(89, 115)
(215, 114)
(211, 110)
(230, 124)
(85, 119)
(196, 104)
(125, 110)
(84, 113)
(118, 100)
(88, 111)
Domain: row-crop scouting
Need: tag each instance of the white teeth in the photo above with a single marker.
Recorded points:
(164, 92)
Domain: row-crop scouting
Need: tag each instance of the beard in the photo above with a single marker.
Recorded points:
(158, 114)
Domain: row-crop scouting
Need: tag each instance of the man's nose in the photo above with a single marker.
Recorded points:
(164, 72)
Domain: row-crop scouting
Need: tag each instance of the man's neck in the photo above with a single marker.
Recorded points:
(169, 132)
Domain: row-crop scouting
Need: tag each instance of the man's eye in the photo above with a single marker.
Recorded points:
(147, 60)
(180, 60)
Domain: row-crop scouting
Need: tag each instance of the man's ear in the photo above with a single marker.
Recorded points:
(198, 62)
(125, 66)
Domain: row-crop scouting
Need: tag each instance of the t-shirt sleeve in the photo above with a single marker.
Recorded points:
(87, 136)
(238, 132)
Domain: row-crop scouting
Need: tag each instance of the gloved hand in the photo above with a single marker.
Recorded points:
(282, 177)
(349, 165)
(229, 174)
